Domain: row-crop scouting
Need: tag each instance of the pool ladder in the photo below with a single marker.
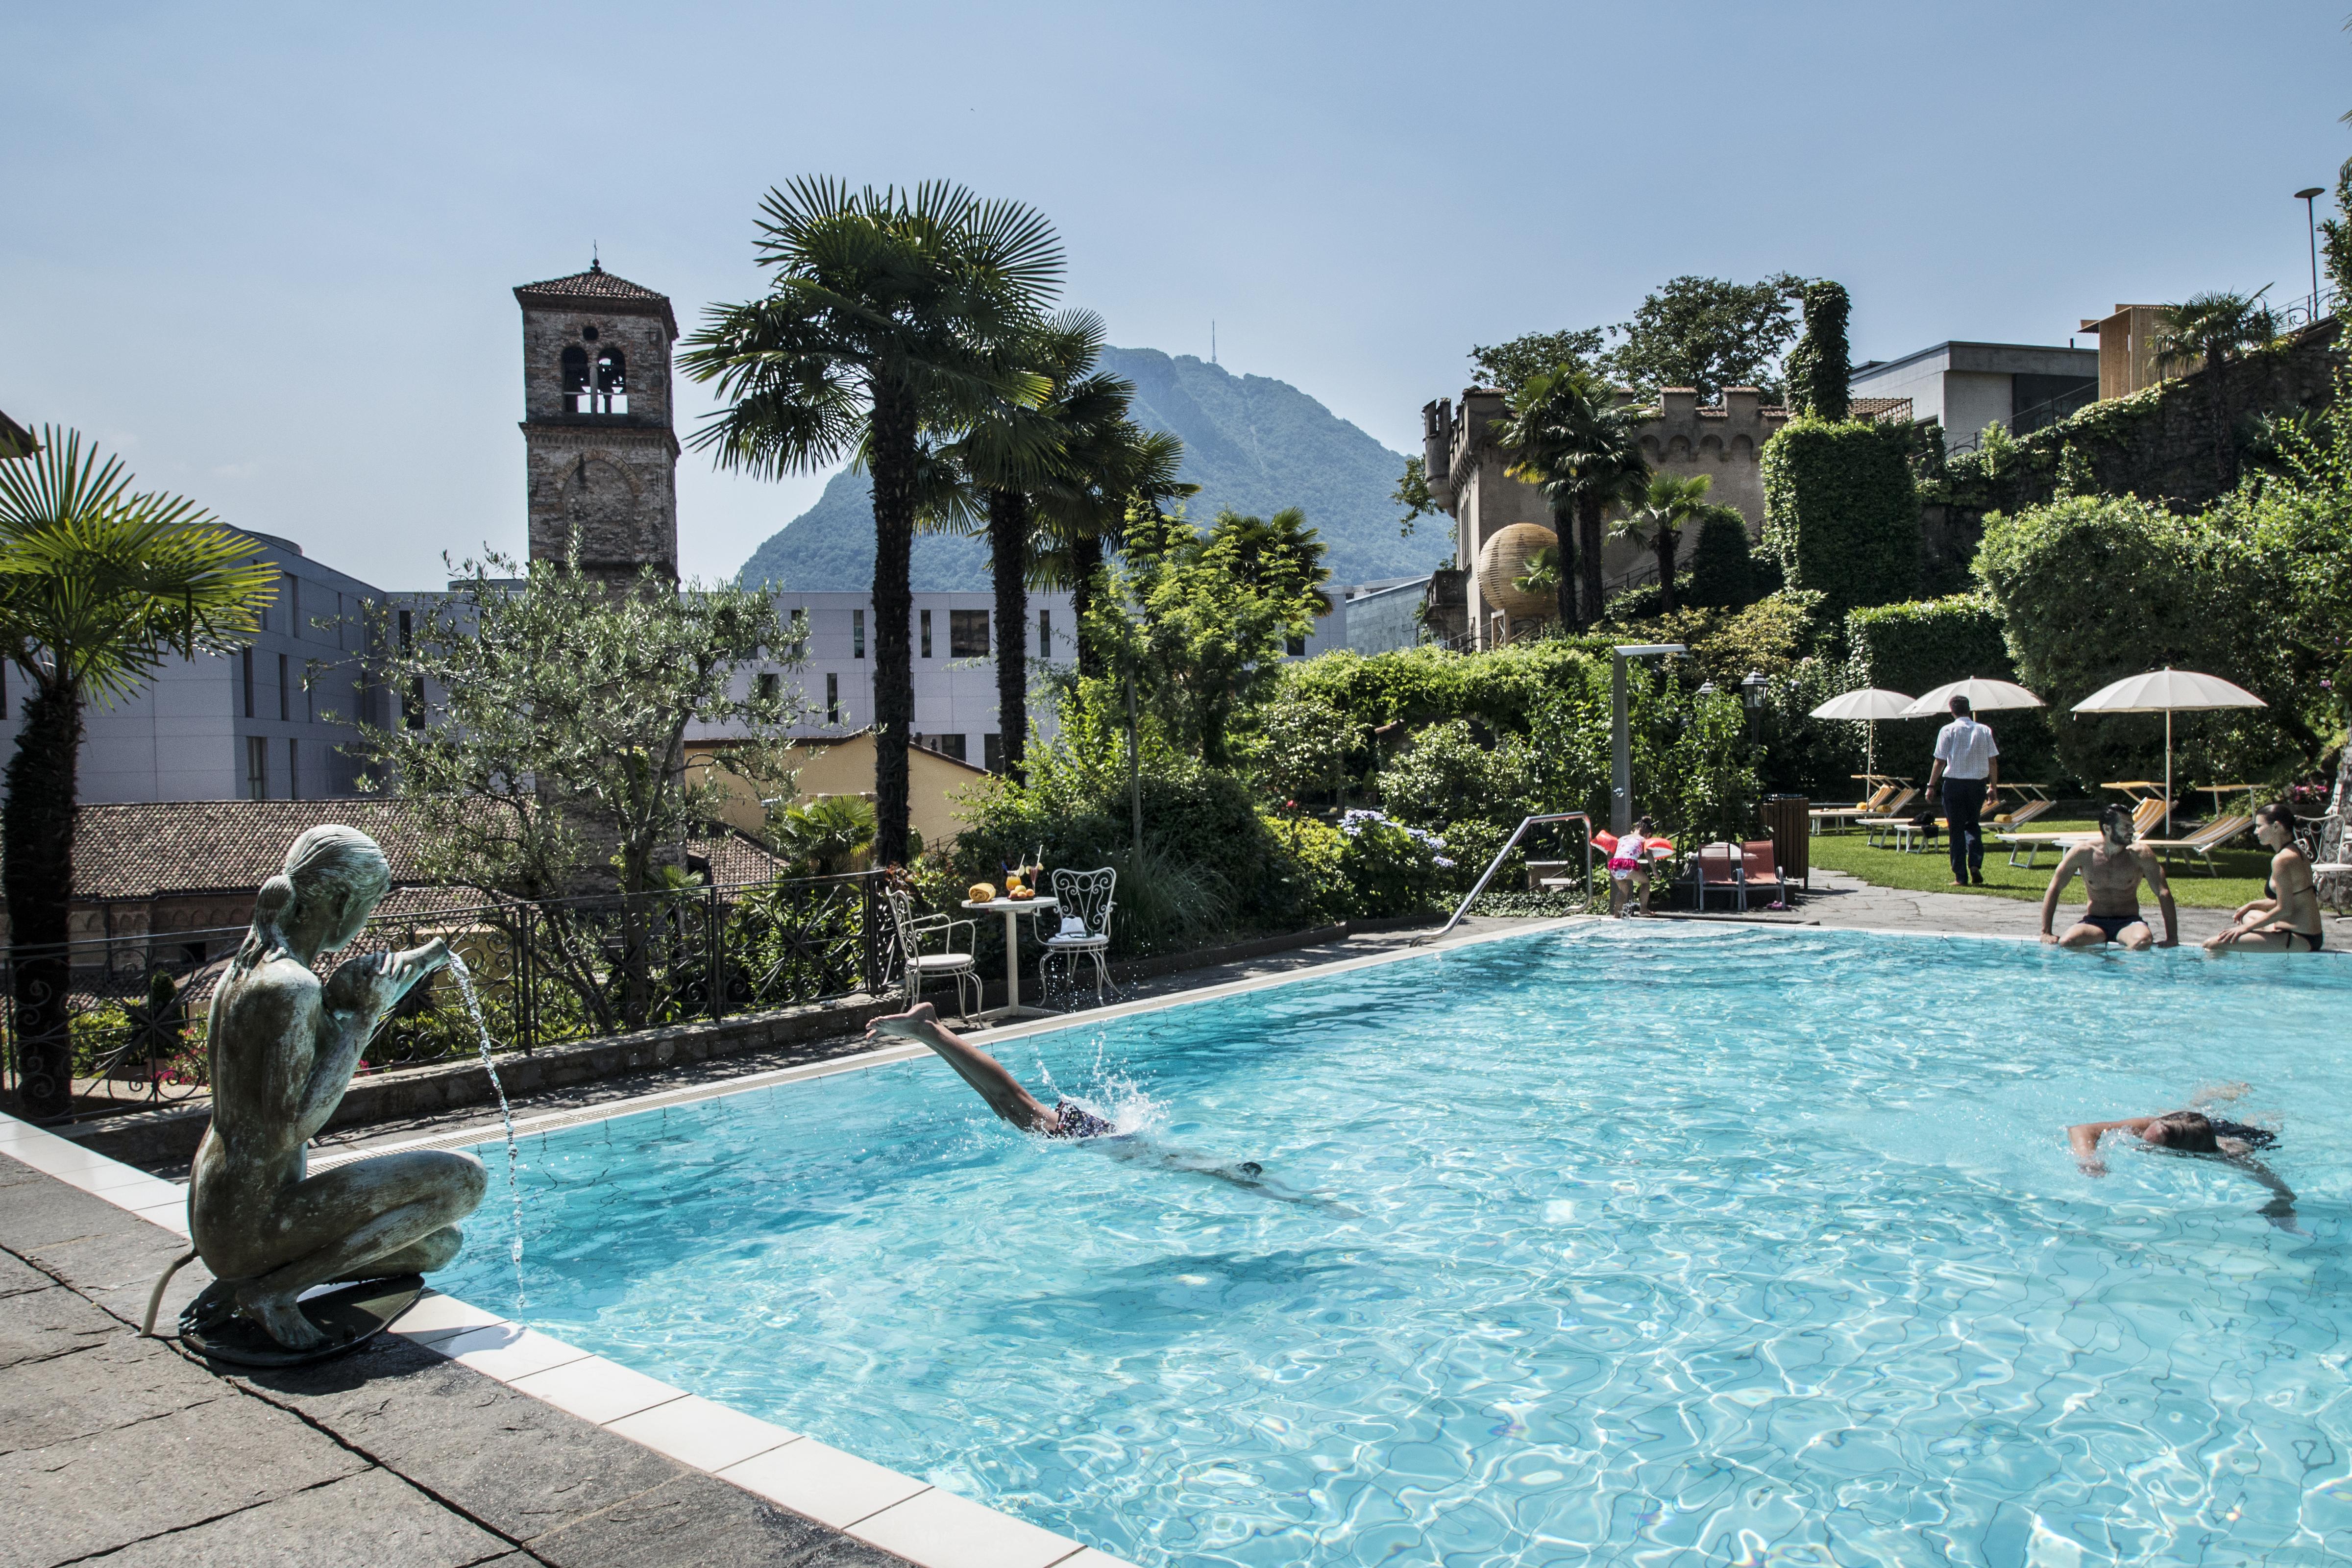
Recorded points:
(1497, 864)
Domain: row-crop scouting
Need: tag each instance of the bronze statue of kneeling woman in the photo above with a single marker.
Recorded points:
(283, 1047)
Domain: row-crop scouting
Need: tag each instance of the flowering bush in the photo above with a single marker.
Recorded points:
(1393, 869)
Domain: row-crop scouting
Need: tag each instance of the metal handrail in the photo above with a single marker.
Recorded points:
(1497, 864)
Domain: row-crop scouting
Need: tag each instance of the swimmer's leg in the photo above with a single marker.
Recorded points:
(2084, 937)
(984, 1072)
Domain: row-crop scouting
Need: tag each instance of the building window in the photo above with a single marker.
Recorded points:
(770, 686)
(967, 635)
(1294, 647)
(247, 655)
(991, 753)
(927, 634)
(412, 704)
(575, 379)
(858, 633)
(256, 768)
(1044, 634)
(293, 604)
(285, 693)
(310, 689)
(945, 745)
(293, 769)
(798, 647)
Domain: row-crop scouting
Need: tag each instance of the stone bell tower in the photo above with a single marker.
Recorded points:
(596, 429)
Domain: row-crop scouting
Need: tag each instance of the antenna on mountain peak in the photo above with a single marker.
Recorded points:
(1213, 339)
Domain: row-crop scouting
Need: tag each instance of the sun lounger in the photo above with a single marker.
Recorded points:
(2203, 842)
(2146, 815)
(1881, 825)
(1843, 816)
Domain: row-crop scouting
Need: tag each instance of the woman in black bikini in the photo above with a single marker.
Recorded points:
(2286, 918)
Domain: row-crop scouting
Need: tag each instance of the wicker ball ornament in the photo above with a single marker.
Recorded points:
(1506, 556)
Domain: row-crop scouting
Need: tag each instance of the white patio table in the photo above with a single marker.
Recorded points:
(1013, 909)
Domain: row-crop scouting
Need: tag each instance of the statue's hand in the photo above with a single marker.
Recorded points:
(381, 979)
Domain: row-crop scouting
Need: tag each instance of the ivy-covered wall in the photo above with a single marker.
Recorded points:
(1842, 512)
(1916, 646)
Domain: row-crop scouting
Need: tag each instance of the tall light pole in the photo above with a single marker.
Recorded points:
(1621, 745)
(2311, 223)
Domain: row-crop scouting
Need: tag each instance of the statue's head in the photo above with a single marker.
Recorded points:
(334, 878)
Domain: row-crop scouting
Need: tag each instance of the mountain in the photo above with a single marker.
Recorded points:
(1250, 443)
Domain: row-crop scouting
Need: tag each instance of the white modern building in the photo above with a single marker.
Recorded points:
(1966, 387)
(270, 722)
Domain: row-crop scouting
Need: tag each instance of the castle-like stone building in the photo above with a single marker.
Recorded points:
(1467, 478)
(597, 430)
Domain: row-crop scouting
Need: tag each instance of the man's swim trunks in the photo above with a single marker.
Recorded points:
(1077, 1121)
(2114, 924)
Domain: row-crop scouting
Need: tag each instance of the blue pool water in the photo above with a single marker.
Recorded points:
(1631, 1245)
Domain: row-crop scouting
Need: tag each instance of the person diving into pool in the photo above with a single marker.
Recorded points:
(2194, 1134)
(1067, 1119)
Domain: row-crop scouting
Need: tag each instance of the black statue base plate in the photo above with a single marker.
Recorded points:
(349, 1318)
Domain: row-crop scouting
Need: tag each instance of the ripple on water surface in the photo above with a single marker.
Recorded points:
(1626, 1244)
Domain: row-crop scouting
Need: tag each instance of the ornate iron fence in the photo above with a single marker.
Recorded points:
(546, 973)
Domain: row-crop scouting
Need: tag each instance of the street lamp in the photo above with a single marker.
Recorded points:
(1621, 747)
(2311, 223)
(1752, 693)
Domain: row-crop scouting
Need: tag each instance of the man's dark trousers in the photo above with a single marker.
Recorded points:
(1963, 805)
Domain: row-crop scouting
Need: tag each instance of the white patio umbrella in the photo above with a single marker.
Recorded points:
(2169, 692)
(1984, 697)
(1867, 704)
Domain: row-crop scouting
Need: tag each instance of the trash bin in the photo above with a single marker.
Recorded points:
(1787, 818)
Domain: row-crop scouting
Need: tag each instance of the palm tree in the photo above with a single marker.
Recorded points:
(97, 586)
(1009, 456)
(1667, 506)
(1116, 472)
(2214, 328)
(1576, 442)
(894, 318)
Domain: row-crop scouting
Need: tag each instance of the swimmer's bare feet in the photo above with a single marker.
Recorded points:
(279, 1317)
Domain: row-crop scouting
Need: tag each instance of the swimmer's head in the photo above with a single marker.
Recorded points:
(2274, 824)
(1643, 826)
(2116, 823)
(2186, 1131)
(1251, 1168)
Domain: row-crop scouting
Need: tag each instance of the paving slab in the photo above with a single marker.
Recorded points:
(16, 1276)
(93, 1494)
(704, 1522)
(519, 1466)
(39, 1324)
(117, 1382)
(372, 1520)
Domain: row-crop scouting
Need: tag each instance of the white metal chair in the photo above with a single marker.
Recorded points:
(962, 967)
(1086, 899)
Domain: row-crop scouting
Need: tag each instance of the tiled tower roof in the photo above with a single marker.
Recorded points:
(605, 288)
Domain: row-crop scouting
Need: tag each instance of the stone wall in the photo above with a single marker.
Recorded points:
(610, 477)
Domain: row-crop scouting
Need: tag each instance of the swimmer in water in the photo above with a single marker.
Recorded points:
(1067, 1119)
(2192, 1132)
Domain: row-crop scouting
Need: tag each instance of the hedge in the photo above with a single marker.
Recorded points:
(1918, 647)
(1723, 568)
(1842, 512)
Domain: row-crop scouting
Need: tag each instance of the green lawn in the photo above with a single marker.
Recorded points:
(2242, 869)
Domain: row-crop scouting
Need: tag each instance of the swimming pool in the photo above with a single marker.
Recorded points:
(1636, 1244)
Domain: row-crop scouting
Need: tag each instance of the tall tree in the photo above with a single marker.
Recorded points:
(1115, 476)
(1820, 370)
(1657, 523)
(2213, 329)
(99, 585)
(1012, 454)
(1575, 441)
(1508, 367)
(891, 314)
(1707, 333)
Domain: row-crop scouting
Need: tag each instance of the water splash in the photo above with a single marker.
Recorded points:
(465, 979)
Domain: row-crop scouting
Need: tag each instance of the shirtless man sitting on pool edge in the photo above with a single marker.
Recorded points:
(2112, 872)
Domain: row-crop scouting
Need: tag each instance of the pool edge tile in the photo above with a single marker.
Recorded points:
(823, 1482)
(937, 1528)
(597, 1390)
(507, 1352)
(714, 1437)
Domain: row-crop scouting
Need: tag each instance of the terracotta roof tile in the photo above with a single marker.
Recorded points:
(603, 287)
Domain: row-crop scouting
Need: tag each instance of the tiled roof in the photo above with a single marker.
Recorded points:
(602, 287)
(170, 847)
(1888, 409)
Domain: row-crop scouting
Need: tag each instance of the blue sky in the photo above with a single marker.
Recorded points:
(265, 252)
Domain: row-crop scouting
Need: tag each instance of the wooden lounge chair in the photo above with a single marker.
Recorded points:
(1843, 816)
(1881, 825)
(2146, 815)
(2203, 842)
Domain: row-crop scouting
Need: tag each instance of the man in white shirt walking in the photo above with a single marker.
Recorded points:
(1967, 766)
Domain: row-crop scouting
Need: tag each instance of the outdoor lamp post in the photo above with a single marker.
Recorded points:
(1751, 694)
(1620, 746)
(2311, 226)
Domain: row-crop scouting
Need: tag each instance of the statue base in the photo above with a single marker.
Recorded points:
(349, 1318)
